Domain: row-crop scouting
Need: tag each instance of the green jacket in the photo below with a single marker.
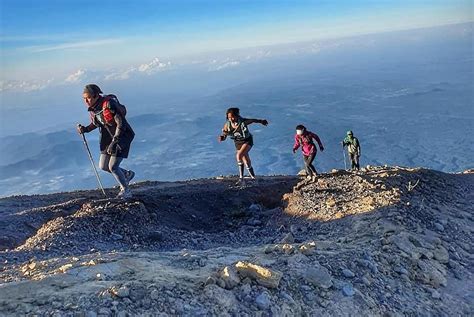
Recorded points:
(353, 145)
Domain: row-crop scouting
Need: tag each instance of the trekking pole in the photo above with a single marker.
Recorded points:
(344, 153)
(93, 164)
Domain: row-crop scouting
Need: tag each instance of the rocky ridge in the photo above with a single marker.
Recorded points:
(386, 241)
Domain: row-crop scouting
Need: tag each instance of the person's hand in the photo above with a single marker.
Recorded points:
(342, 143)
(294, 151)
(322, 148)
(221, 138)
(264, 122)
(80, 129)
(112, 148)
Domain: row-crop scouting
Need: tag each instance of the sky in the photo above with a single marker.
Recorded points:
(44, 39)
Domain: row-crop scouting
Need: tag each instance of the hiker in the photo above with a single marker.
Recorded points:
(304, 138)
(237, 128)
(353, 147)
(116, 134)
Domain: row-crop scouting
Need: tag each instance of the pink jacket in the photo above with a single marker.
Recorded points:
(307, 145)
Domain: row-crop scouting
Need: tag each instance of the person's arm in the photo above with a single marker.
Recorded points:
(86, 129)
(316, 137)
(119, 120)
(297, 144)
(344, 142)
(119, 130)
(224, 134)
(261, 121)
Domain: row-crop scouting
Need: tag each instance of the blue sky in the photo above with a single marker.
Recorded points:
(43, 39)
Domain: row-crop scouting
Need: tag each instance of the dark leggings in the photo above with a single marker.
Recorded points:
(111, 164)
(354, 161)
(308, 164)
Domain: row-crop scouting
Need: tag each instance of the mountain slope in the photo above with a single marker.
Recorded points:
(386, 240)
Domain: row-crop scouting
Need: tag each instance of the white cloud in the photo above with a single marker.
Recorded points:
(23, 85)
(216, 65)
(74, 45)
(79, 75)
(148, 68)
(153, 66)
(121, 75)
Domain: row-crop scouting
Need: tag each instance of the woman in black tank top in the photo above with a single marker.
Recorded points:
(237, 128)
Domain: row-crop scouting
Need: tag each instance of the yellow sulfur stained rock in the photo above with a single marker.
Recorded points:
(263, 276)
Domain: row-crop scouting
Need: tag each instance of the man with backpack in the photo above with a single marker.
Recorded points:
(353, 147)
(116, 134)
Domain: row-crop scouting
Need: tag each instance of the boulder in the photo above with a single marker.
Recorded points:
(318, 276)
(263, 276)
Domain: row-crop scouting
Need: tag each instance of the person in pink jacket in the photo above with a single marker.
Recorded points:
(304, 138)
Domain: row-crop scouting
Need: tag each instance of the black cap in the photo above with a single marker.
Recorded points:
(92, 89)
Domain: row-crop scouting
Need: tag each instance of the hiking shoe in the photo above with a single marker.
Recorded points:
(125, 193)
(240, 182)
(129, 175)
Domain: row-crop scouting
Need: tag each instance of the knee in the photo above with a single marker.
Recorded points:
(238, 156)
(104, 167)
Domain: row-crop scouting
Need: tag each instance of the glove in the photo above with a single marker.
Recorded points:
(222, 138)
(264, 122)
(294, 151)
(81, 129)
(322, 148)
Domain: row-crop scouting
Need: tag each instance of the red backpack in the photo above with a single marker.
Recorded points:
(108, 115)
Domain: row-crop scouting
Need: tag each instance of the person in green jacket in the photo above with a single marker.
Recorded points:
(353, 147)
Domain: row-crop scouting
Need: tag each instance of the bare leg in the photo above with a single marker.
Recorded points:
(242, 156)
(248, 164)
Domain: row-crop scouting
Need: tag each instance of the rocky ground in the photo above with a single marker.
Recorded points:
(387, 241)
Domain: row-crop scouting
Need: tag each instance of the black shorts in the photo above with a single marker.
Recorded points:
(238, 144)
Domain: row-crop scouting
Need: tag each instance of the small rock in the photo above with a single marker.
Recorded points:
(255, 208)
(246, 289)
(105, 311)
(223, 297)
(116, 236)
(307, 249)
(373, 267)
(230, 277)
(123, 291)
(65, 267)
(254, 222)
(439, 226)
(348, 290)
(366, 281)
(154, 295)
(348, 273)
(210, 280)
(288, 238)
(441, 254)
(400, 270)
(263, 301)
(220, 283)
(155, 236)
(435, 294)
(287, 297)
